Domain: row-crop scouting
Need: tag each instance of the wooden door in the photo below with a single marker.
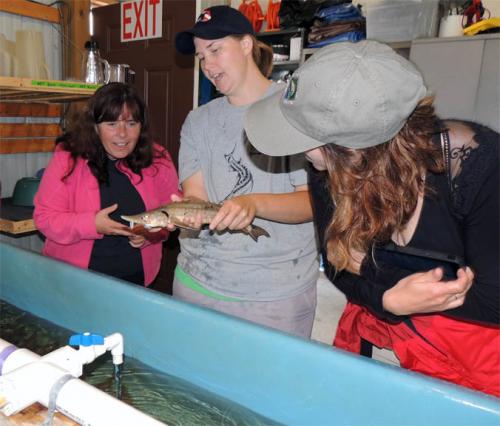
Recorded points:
(166, 80)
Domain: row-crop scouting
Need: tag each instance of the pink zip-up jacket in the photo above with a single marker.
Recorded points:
(65, 210)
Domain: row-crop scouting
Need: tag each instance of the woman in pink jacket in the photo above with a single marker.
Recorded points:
(103, 167)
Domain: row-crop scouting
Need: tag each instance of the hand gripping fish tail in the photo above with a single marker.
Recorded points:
(178, 214)
(255, 232)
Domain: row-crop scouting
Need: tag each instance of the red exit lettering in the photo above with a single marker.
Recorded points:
(141, 19)
(126, 21)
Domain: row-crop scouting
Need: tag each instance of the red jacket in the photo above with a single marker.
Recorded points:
(457, 351)
(65, 210)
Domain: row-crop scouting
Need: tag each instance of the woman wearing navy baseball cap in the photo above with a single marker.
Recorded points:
(271, 281)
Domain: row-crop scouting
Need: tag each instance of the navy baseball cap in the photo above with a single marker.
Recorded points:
(213, 23)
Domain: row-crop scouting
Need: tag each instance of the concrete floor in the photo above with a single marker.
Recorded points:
(330, 305)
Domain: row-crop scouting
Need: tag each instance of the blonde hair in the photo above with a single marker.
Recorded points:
(262, 54)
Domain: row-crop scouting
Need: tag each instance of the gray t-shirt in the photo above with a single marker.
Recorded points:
(232, 264)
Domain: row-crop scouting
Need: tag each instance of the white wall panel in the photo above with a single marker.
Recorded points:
(10, 23)
(15, 166)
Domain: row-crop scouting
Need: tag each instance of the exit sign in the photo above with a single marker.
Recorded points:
(140, 19)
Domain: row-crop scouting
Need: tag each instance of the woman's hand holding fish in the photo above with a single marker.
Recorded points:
(424, 292)
(107, 226)
(235, 214)
(136, 241)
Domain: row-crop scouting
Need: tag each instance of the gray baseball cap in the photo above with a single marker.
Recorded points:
(355, 95)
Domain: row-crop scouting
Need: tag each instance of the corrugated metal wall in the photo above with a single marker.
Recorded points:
(15, 166)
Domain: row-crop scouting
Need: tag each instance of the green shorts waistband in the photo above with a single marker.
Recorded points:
(188, 281)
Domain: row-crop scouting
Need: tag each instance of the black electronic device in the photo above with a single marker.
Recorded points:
(419, 260)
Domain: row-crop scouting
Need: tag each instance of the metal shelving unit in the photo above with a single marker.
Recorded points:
(283, 37)
(402, 47)
(282, 69)
(286, 63)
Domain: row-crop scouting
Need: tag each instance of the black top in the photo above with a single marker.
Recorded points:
(113, 255)
(461, 218)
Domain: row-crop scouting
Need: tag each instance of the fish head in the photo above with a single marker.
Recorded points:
(149, 219)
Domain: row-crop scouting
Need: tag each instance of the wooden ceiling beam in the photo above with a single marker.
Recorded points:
(31, 9)
(76, 13)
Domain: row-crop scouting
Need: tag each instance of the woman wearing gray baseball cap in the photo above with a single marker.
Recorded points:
(271, 281)
(396, 192)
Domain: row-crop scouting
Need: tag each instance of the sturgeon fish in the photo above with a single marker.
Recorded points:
(177, 213)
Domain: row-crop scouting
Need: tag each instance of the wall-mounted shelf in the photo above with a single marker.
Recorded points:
(17, 89)
(16, 100)
(286, 63)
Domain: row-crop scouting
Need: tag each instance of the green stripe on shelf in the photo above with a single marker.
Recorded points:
(64, 84)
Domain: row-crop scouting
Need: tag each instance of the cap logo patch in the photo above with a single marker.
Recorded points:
(205, 16)
(291, 90)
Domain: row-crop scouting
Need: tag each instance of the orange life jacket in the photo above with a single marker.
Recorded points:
(253, 12)
(272, 15)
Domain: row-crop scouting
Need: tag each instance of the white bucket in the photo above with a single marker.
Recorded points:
(451, 26)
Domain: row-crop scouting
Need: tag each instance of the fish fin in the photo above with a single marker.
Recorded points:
(181, 224)
(256, 231)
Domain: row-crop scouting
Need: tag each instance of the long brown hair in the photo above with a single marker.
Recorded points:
(262, 54)
(375, 190)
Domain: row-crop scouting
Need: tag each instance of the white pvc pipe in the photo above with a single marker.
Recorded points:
(28, 378)
(21, 357)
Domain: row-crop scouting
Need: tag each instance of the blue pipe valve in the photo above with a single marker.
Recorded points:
(86, 339)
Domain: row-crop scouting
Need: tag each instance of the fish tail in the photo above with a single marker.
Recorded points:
(256, 231)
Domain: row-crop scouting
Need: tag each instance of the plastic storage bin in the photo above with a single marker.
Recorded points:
(400, 20)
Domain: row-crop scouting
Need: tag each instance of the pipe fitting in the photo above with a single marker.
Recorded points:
(114, 342)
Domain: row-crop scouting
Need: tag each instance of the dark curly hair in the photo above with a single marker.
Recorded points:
(82, 141)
